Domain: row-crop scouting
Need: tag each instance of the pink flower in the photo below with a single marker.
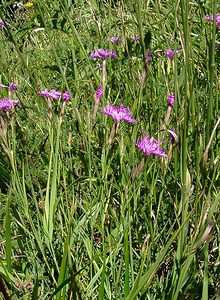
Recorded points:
(171, 99)
(11, 87)
(7, 104)
(103, 54)
(118, 113)
(54, 94)
(150, 146)
(169, 53)
(66, 96)
(211, 19)
(50, 94)
(148, 57)
(44, 93)
(99, 92)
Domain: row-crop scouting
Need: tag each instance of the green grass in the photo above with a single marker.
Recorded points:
(83, 216)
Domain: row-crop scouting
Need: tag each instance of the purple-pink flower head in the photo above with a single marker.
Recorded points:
(11, 87)
(54, 94)
(44, 93)
(211, 19)
(171, 99)
(103, 54)
(1, 23)
(114, 39)
(99, 93)
(148, 57)
(118, 113)
(50, 94)
(7, 104)
(137, 38)
(66, 96)
(150, 146)
(169, 53)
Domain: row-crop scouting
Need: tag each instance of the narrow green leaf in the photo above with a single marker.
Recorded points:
(35, 290)
(126, 247)
(62, 272)
(8, 237)
(102, 285)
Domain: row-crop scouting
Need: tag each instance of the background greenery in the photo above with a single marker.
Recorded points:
(74, 222)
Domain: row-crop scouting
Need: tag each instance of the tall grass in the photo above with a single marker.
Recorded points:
(84, 214)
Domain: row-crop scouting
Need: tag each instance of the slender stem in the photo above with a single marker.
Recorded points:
(104, 73)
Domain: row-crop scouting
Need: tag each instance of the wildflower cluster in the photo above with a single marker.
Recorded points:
(149, 146)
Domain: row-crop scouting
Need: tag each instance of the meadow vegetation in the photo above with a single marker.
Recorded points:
(92, 204)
